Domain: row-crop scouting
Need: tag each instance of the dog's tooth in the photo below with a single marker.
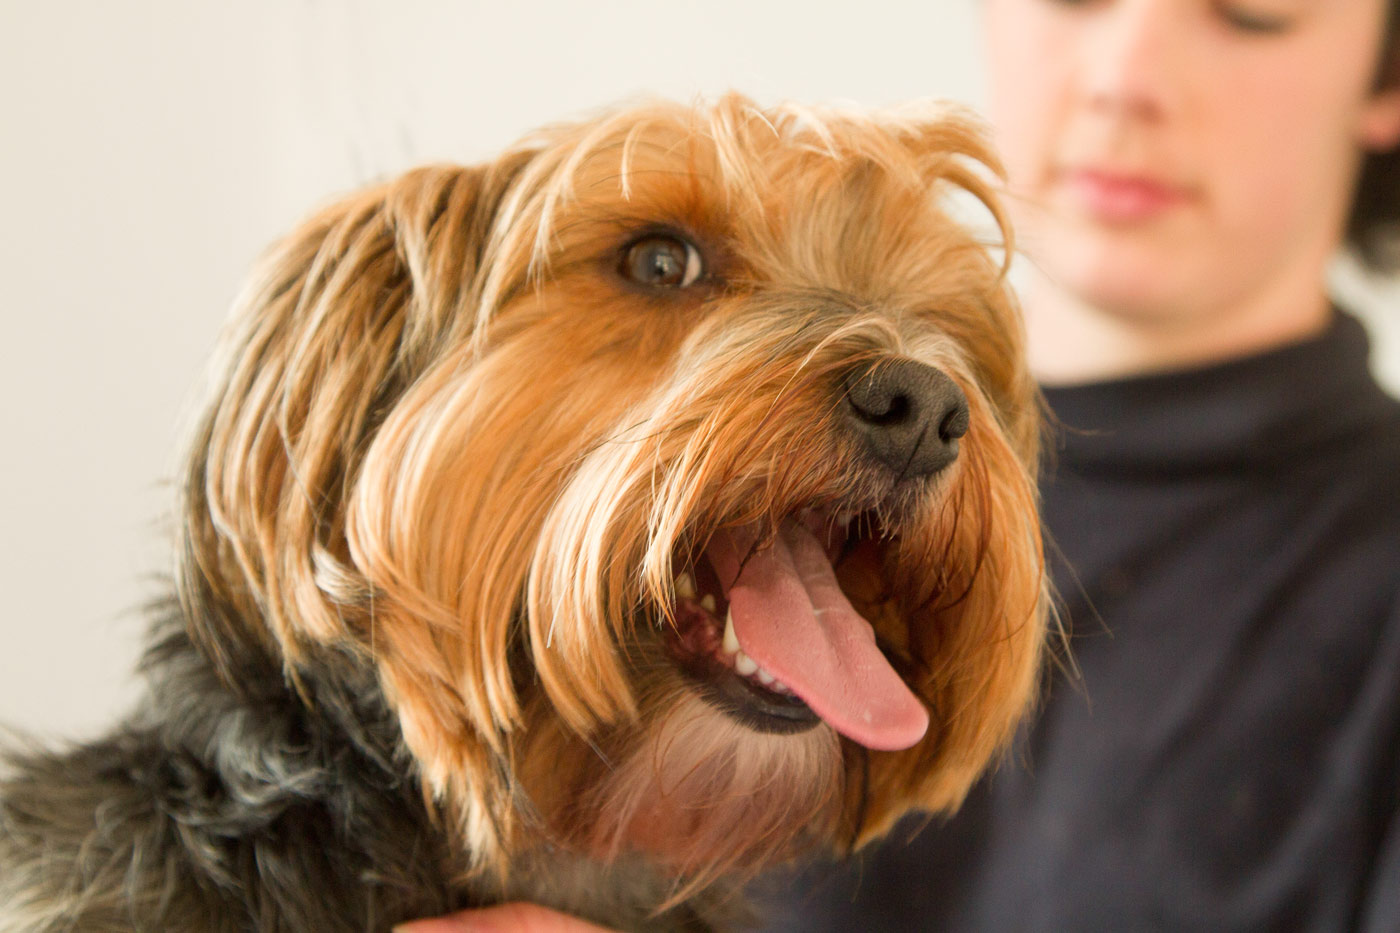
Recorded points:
(731, 641)
(744, 664)
(685, 586)
(764, 677)
(844, 519)
(707, 602)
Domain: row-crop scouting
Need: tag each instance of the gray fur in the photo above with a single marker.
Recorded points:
(219, 808)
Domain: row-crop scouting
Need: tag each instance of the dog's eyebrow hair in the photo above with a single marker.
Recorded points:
(626, 223)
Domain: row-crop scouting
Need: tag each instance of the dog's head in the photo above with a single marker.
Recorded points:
(674, 472)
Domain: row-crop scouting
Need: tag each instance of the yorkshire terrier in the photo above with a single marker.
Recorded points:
(595, 527)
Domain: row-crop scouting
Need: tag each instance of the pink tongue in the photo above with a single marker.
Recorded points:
(791, 617)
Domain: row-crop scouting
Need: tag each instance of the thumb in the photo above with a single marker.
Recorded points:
(505, 918)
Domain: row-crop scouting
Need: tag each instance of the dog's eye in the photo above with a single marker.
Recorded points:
(662, 261)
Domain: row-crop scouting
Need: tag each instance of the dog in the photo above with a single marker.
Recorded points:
(596, 526)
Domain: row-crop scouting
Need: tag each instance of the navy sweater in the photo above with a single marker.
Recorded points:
(1226, 546)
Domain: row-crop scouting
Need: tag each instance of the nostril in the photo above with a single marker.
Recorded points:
(881, 411)
(955, 423)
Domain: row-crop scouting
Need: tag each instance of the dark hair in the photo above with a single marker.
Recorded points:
(1373, 229)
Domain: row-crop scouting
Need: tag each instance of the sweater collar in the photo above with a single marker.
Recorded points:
(1259, 412)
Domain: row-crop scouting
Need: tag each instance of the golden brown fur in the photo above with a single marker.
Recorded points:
(451, 448)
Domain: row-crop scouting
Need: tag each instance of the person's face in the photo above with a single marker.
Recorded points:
(1169, 155)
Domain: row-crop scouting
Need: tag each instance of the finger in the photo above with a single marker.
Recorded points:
(505, 918)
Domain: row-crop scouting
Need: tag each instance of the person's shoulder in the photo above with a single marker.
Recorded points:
(1370, 451)
(1356, 499)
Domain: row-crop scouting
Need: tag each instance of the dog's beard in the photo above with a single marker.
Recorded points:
(688, 785)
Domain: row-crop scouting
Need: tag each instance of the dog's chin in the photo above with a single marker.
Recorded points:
(706, 792)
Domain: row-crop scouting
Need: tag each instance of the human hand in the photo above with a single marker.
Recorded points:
(505, 918)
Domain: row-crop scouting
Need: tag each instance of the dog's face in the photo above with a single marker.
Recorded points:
(674, 472)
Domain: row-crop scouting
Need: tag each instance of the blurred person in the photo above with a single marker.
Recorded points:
(1221, 749)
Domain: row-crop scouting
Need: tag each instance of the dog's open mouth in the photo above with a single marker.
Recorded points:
(766, 630)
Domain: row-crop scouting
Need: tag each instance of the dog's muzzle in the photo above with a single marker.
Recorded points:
(907, 415)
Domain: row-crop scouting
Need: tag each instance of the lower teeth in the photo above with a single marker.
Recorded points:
(746, 665)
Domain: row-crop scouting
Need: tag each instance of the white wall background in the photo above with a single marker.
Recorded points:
(148, 151)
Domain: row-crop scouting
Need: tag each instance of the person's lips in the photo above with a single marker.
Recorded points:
(1119, 197)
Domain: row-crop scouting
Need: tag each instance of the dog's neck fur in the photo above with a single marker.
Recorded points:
(225, 809)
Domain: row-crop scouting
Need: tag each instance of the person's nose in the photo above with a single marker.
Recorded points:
(1134, 64)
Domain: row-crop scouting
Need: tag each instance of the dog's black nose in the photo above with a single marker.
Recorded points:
(909, 416)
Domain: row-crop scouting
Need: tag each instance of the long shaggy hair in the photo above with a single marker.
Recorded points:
(453, 575)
